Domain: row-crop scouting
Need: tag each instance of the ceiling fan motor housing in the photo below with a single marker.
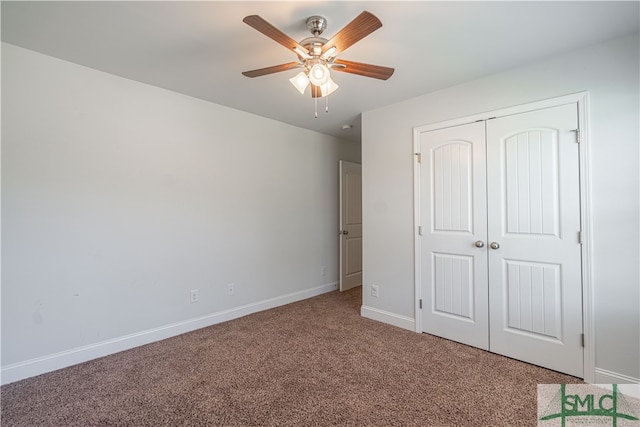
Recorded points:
(313, 45)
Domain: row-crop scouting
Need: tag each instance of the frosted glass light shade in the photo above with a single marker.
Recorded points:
(300, 82)
(328, 88)
(319, 74)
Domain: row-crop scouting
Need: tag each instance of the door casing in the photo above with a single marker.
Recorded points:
(350, 225)
(582, 100)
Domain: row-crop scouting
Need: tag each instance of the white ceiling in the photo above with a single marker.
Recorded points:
(200, 48)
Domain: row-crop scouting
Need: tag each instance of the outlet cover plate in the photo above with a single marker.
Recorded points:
(374, 291)
(193, 296)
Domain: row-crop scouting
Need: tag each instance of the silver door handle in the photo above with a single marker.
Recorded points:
(494, 245)
(479, 244)
(345, 232)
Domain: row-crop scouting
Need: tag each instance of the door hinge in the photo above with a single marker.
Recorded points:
(420, 304)
(419, 230)
(419, 157)
(577, 131)
(580, 238)
(582, 340)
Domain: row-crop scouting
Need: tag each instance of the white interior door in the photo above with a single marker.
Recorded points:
(453, 219)
(535, 292)
(350, 225)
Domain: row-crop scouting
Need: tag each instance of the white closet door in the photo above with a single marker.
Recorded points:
(535, 291)
(453, 217)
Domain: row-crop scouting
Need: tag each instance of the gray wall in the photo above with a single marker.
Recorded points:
(118, 198)
(610, 72)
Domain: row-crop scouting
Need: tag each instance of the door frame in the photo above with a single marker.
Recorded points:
(342, 237)
(582, 100)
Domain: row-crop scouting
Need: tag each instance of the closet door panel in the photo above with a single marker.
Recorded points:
(453, 218)
(535, 283)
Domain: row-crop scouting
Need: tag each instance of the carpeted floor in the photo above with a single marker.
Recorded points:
(311, 363)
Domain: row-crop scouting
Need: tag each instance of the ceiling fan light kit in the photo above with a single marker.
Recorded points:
(328, 88)
(317, 55)
(319, 74)
(300, 81)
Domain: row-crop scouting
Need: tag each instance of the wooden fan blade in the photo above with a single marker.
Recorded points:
(271, 70)
(367, 70)
(272, 32)
(363, 25)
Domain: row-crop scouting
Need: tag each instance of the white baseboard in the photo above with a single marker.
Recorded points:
(627, 385)
(607, 377)
(52, 362)
(388, 317)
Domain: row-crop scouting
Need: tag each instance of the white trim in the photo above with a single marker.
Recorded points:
(388, 317)
(627, 385)
(417, 215)
(588, 305)
(507, 111)
(628, 389)
(52, 362)
(603, 376)
(582, 99)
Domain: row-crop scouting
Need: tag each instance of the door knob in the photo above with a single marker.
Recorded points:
(479, 244)
(494, 245)
(345, 232)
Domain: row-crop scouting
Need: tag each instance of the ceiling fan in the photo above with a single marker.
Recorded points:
(317, 55)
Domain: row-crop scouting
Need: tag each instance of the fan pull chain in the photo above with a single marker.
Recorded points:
(326, 106)
(315, 101)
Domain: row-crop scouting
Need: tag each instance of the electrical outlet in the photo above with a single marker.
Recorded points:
(323, 270)
(231, 289)
(193, 296)
(374, 291)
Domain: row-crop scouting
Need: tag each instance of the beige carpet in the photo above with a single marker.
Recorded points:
(315, 362)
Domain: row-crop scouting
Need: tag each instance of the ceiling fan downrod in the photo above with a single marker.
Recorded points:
(316, 25)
